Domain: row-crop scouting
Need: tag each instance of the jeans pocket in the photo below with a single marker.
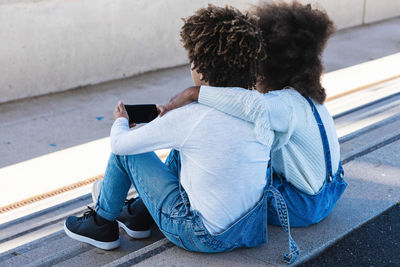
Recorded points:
(179, 210)
(175, 239)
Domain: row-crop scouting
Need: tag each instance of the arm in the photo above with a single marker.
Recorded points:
(187, 96)
(167, 132)
(230, 100)
(244, 104)
(267, 112)
(264, 110)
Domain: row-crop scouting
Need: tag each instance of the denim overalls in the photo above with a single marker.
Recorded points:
(305, 209)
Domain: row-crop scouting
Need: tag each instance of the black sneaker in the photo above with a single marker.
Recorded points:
(94, 230)
(135, 219)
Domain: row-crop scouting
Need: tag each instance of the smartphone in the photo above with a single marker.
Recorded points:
(141, 113)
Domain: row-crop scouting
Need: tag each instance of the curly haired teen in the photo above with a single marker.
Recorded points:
(287, 111)
(224, 46)
(210, 194)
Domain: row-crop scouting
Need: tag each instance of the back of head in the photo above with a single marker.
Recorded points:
(295, 36)
(224, 46)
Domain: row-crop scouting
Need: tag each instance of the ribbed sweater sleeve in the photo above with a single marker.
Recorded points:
(268, 112)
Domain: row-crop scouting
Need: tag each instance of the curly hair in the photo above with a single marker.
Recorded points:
(295, 36)
(224, 45)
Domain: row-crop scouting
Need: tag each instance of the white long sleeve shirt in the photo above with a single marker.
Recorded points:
(284, 117)
(223, 165)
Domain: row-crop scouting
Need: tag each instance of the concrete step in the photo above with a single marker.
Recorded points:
(339, 107)
(40, 224)
(372, 168)
(41, 234)
(367, 115)
(38, 239)
(372, 175)
(57, 248)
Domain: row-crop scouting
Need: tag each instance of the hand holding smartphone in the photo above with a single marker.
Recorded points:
(141, 113)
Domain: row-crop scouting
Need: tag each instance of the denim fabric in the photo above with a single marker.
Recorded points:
(158, 185)
(305, 209)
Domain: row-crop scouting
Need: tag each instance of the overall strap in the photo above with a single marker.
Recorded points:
(283, 215)
(325, 143)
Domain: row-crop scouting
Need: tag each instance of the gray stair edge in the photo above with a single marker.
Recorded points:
(65, 253)
(41, 225)
(37, 226)
(366, 105)
(14, 252)
(366, 149)
(142, 254)
(366, 130)
(44, 211)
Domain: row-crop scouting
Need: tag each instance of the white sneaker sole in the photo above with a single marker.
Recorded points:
(98, 244)
(135, 234)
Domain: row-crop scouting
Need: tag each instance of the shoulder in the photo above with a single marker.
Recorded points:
(287, 94)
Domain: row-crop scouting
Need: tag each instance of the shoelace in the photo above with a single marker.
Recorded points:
(89, 213)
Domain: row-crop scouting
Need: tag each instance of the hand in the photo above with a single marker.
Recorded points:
(120, 112)
(185, 97)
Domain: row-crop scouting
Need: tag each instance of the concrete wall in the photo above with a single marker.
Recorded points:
(54, 45)
(376, 10)
(350, 13)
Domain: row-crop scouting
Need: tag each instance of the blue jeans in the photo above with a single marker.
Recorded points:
(159, 187)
